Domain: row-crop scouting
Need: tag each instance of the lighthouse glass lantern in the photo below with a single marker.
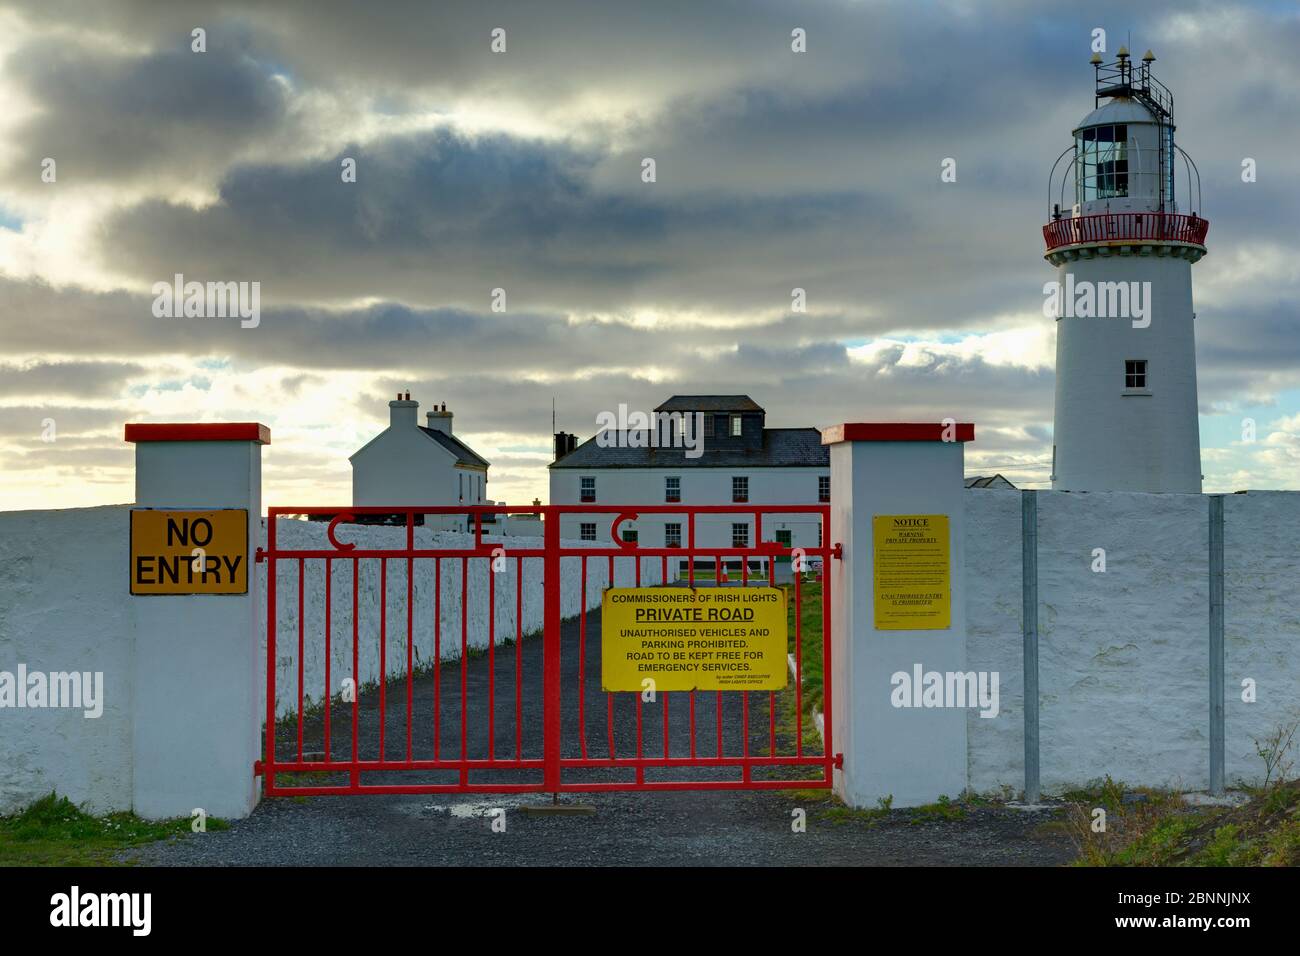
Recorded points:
(1123, 235)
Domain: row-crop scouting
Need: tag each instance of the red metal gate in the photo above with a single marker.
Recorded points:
(508, 730)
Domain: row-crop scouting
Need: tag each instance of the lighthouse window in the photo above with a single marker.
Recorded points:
(1103, 162)
(1135, 373)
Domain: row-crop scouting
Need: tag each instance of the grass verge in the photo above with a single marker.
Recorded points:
(54, 832)
(1153, 828)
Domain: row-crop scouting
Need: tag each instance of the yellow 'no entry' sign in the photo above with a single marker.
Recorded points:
(189, 552)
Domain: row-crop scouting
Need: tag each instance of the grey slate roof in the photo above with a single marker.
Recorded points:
(464, 454)
(988, 481)
(782, 448)
(710, 403)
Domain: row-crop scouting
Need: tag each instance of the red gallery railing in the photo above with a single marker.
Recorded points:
(472, 735)
(1123, 227)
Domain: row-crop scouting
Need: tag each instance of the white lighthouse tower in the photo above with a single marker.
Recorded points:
(1126, 411)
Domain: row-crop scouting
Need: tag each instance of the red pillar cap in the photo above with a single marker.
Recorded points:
(898, 431)
(200, 431)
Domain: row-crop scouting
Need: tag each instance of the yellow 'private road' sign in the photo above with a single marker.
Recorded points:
(189, 552)
(717, 638)
(912, 572)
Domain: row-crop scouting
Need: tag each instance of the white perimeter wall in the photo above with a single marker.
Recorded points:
(63, 607)
(1123, 656)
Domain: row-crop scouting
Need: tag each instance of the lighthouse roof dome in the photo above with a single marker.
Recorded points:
(1121, 109)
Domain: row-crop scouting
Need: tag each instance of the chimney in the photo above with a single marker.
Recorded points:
(564, 444)
(439, 419)
(402, 413)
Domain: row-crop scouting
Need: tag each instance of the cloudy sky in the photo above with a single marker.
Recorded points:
(522, 171)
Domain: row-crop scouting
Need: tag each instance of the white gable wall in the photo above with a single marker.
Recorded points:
(404, 466)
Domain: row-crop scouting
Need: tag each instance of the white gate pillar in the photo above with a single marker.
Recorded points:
(197, 714)
(912, 754)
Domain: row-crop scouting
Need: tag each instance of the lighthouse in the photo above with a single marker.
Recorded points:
(1126, 408)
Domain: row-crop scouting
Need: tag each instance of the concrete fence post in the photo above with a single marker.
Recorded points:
(895, 625)
(197, 713)
(1029, 633)
(1216, 646)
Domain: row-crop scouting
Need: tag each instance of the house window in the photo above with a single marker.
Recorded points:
(708, 426)
(1135, 373)
(739, 489)
(673, 535)
(740, 536)
(823, 488)
(736, 426)
(587, 488)
(461, 477)
(587, 531)
(783, 537)
(672, 488)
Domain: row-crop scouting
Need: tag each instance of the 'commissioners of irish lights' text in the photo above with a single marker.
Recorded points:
(718, 638)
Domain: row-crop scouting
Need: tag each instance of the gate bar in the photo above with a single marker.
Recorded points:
(551, 653)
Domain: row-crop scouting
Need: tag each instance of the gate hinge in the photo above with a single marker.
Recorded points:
(259, 556)
(838, 552)
(839, 761)
(257, 768)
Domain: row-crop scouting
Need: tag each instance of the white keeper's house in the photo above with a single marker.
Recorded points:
(742, 461)
(413, 464)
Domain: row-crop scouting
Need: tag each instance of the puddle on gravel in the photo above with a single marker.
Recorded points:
(469, 809)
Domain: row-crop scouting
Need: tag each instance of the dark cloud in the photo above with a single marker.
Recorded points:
(70, 455)
(87, 379)
(30, 422)
(118, 117)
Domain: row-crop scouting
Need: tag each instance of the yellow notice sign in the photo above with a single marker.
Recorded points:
(717, 638)
(189, 552)
(912, 572)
